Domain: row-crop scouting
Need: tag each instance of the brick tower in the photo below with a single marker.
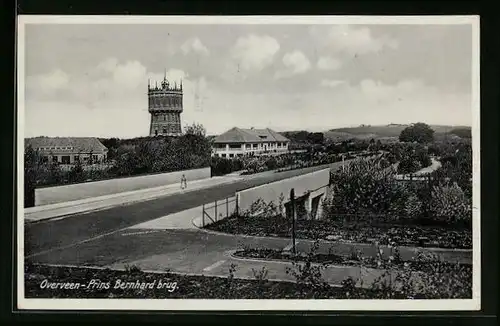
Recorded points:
(165, 107)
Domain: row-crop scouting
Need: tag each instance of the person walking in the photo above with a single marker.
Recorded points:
(183, 182)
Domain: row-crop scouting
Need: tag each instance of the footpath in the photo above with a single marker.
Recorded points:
(61, 210)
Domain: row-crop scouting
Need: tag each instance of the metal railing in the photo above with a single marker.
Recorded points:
(207, 218)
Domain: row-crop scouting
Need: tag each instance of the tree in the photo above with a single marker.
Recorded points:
(462, 132)
(31, 162)
(195, 129)
(316, 137)
(418, 132)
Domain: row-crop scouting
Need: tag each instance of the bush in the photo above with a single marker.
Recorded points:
(365, 188)
(409, 165)
(222, 166)
(450, 204)
(413, 158)
(413, 207)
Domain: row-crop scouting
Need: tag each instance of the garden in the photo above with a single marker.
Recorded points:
(367, 203)
(436, 281)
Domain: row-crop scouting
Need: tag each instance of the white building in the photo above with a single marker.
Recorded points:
(238, 142)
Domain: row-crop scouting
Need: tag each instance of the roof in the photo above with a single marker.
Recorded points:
(239, 135)
(79, 144)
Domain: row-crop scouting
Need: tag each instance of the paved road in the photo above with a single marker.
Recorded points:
(47, 235)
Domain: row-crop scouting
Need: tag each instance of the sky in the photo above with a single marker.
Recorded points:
(91, 80)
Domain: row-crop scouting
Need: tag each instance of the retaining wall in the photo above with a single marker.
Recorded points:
(271, 192)
(52, 195)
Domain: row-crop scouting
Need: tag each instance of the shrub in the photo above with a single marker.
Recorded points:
(365, 188)
(450, 204)
(409, 165)
(413, 158)
(413, 207)
(308, 274)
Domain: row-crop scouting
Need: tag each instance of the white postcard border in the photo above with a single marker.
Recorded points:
(251, 305)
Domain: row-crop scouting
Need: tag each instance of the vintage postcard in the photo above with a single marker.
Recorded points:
(200, 163)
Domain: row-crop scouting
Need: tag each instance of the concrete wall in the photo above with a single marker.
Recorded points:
(315, 181)
(52, 195)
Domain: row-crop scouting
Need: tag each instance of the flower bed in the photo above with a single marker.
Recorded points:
(198, 287)
(362, 232)
(351, 260)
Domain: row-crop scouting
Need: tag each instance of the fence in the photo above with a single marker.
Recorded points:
(218, 210)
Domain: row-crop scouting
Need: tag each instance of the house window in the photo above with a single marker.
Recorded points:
(234, 146)
(65, 159)
(77, 158)
(94, 158)
(164, 130)
(231, 155)
(248, 146)
(45, 159)
(223, 155)
(54, 159)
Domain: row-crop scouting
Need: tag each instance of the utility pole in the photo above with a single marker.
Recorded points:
(292, 209)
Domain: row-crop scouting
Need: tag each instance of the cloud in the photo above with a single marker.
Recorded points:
(350, 39)
(379, 91)
(129, 75)
(328, 63)
(194, 45)
(331, 83)
(254, 52)
(296, 62)
(48, 84)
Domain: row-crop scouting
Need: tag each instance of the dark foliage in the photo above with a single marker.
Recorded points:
(418, 132)
(127, 157)
(359, 229)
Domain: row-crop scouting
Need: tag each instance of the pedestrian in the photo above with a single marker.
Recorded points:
(183, 182)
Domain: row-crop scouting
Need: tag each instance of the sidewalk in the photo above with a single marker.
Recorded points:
(61, 210)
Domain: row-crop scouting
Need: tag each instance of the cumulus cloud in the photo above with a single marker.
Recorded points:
(194, 45)
(47, 84)
(254, 52)
(350, 39)
(295, 62)
(331, 83)
(328, 63)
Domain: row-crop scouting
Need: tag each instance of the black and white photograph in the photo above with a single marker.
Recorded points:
(248, 163)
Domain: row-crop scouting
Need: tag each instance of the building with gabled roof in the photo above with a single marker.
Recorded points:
(239, 141)
(68, 150)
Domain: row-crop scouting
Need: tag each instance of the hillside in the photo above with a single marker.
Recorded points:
(386, 132)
